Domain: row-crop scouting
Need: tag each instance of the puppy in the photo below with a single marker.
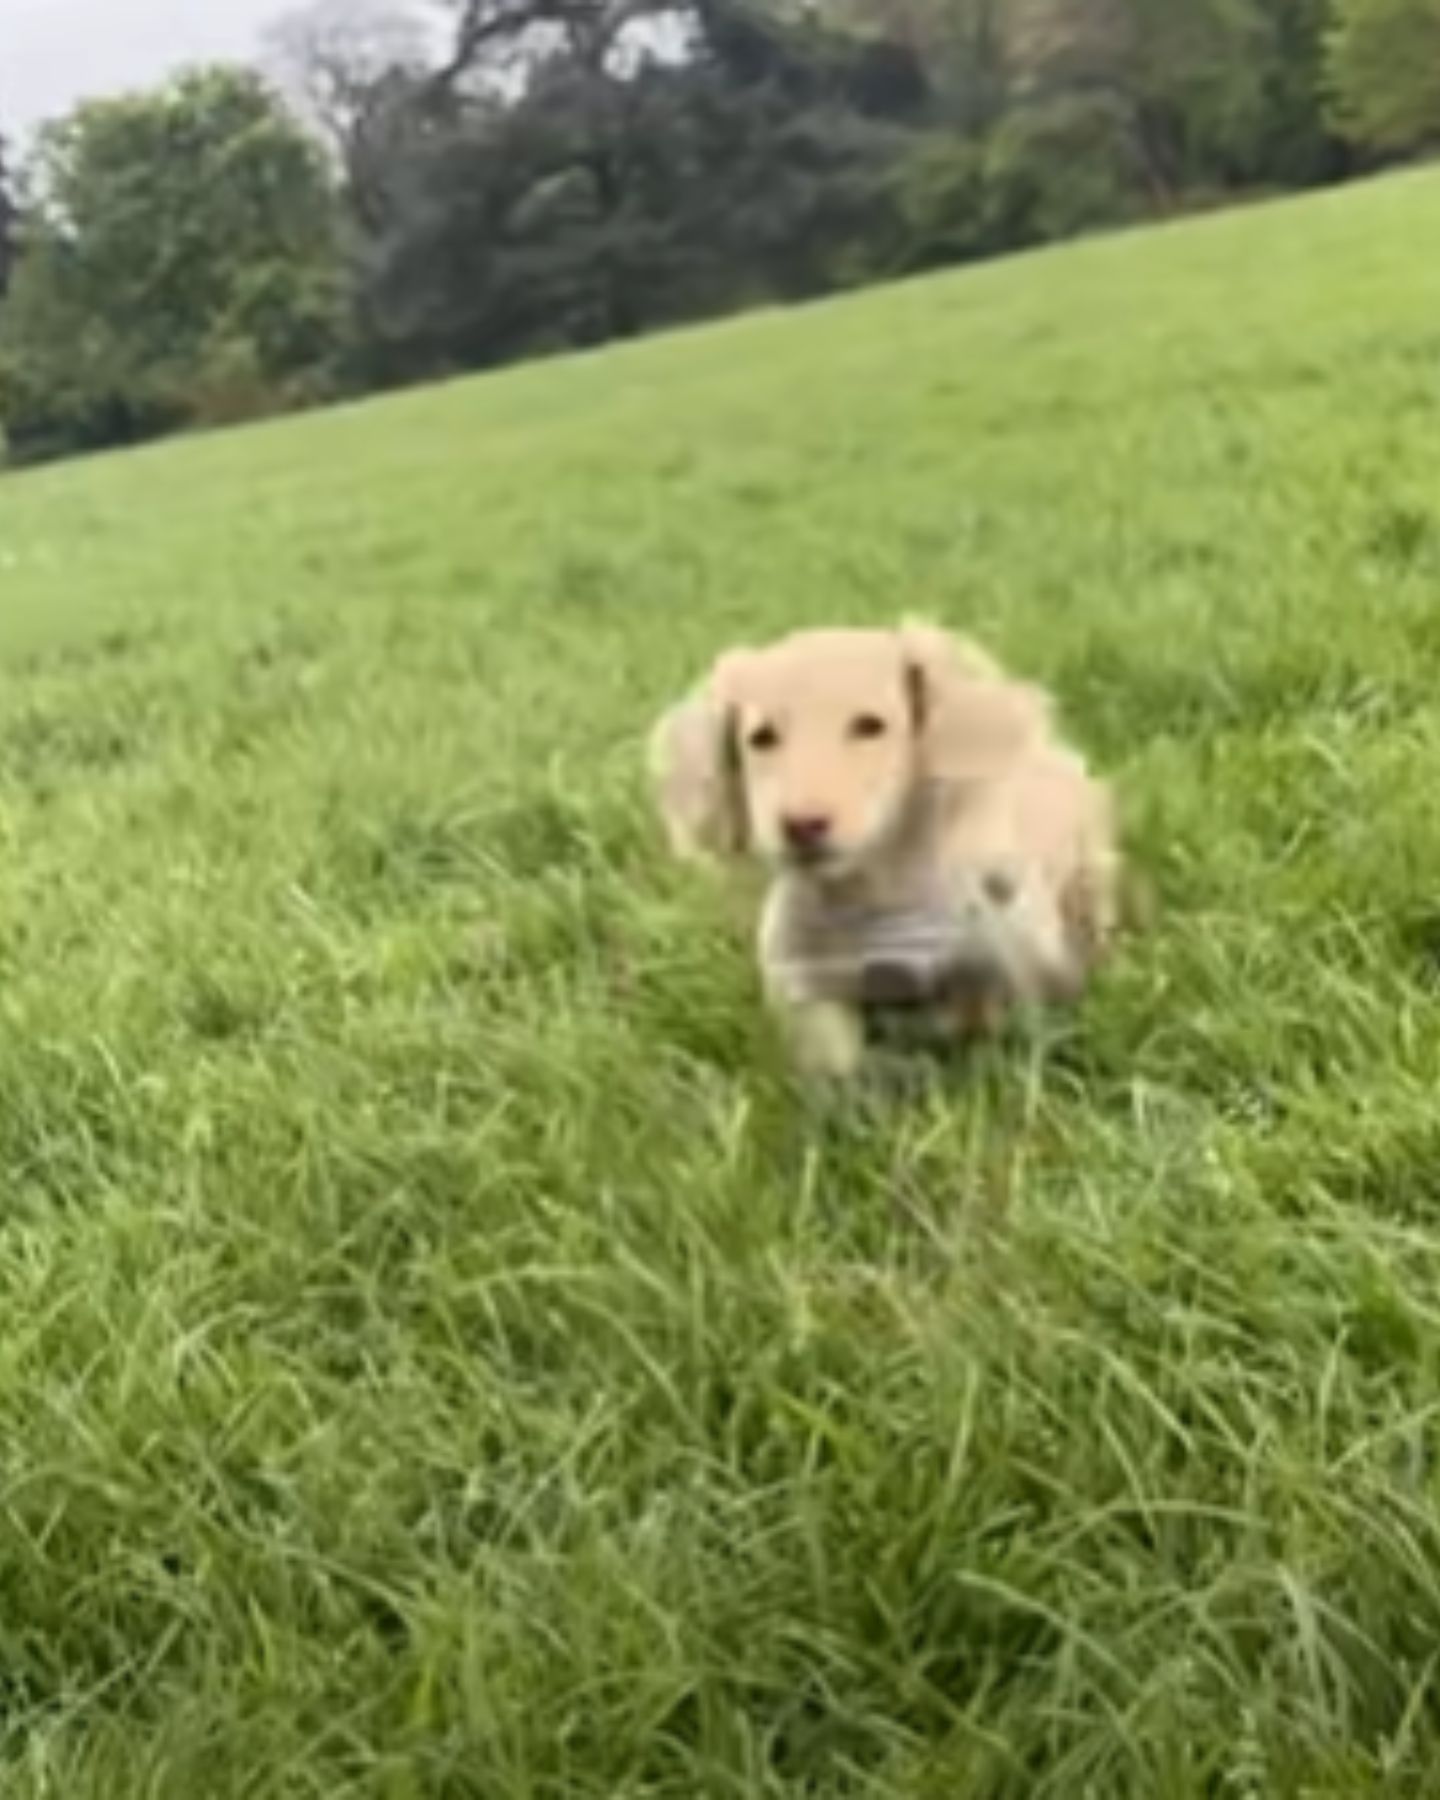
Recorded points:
(931, 842)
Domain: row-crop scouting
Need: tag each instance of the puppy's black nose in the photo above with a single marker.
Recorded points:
(807, 834)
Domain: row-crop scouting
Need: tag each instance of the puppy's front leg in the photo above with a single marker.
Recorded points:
(824, 1027)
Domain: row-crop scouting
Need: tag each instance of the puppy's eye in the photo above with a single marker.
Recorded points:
(763, 738)
(868, 725)
(1000, 887)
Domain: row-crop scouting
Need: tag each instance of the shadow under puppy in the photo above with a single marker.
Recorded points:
(934, 847)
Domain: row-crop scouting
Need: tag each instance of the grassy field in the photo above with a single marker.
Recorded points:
(441, 1353)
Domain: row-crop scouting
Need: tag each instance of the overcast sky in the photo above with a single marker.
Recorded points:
(54, 52)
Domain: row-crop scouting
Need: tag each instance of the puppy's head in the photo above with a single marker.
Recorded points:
(807, 753)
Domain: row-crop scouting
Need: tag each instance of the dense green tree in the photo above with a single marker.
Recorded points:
(1296, 144)
(610, 195)
(1187, 80)
(961, 45)
(1080, 113)
(1384, 68)
(9, 219)
(179, 264)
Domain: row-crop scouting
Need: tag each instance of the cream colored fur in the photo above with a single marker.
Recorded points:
(948, 803)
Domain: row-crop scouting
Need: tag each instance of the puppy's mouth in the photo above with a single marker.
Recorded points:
(810, 856)
(817, 860)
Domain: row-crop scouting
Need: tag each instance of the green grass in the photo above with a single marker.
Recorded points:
(440, 1352)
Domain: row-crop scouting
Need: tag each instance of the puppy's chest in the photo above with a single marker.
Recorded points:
(891, 957)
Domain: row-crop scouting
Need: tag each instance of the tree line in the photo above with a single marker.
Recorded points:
(406, 189)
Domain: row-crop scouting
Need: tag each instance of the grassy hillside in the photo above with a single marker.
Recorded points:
(441, 1355)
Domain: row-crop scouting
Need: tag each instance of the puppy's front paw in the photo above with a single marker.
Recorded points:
(829, 1040)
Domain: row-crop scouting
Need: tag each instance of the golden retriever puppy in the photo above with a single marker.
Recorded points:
(931, 842)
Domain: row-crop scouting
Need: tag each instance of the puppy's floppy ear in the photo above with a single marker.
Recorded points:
(695, 765)
(943, 655)
(970, 718)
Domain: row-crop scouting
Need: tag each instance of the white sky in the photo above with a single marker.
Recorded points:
(55, 52)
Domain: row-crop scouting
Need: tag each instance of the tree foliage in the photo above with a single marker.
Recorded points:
(1384, 62)
(596, 206)
(9, 219)
(179, 267)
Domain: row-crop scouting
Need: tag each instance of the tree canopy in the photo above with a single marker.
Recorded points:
(179, 266)
(1385, 72)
